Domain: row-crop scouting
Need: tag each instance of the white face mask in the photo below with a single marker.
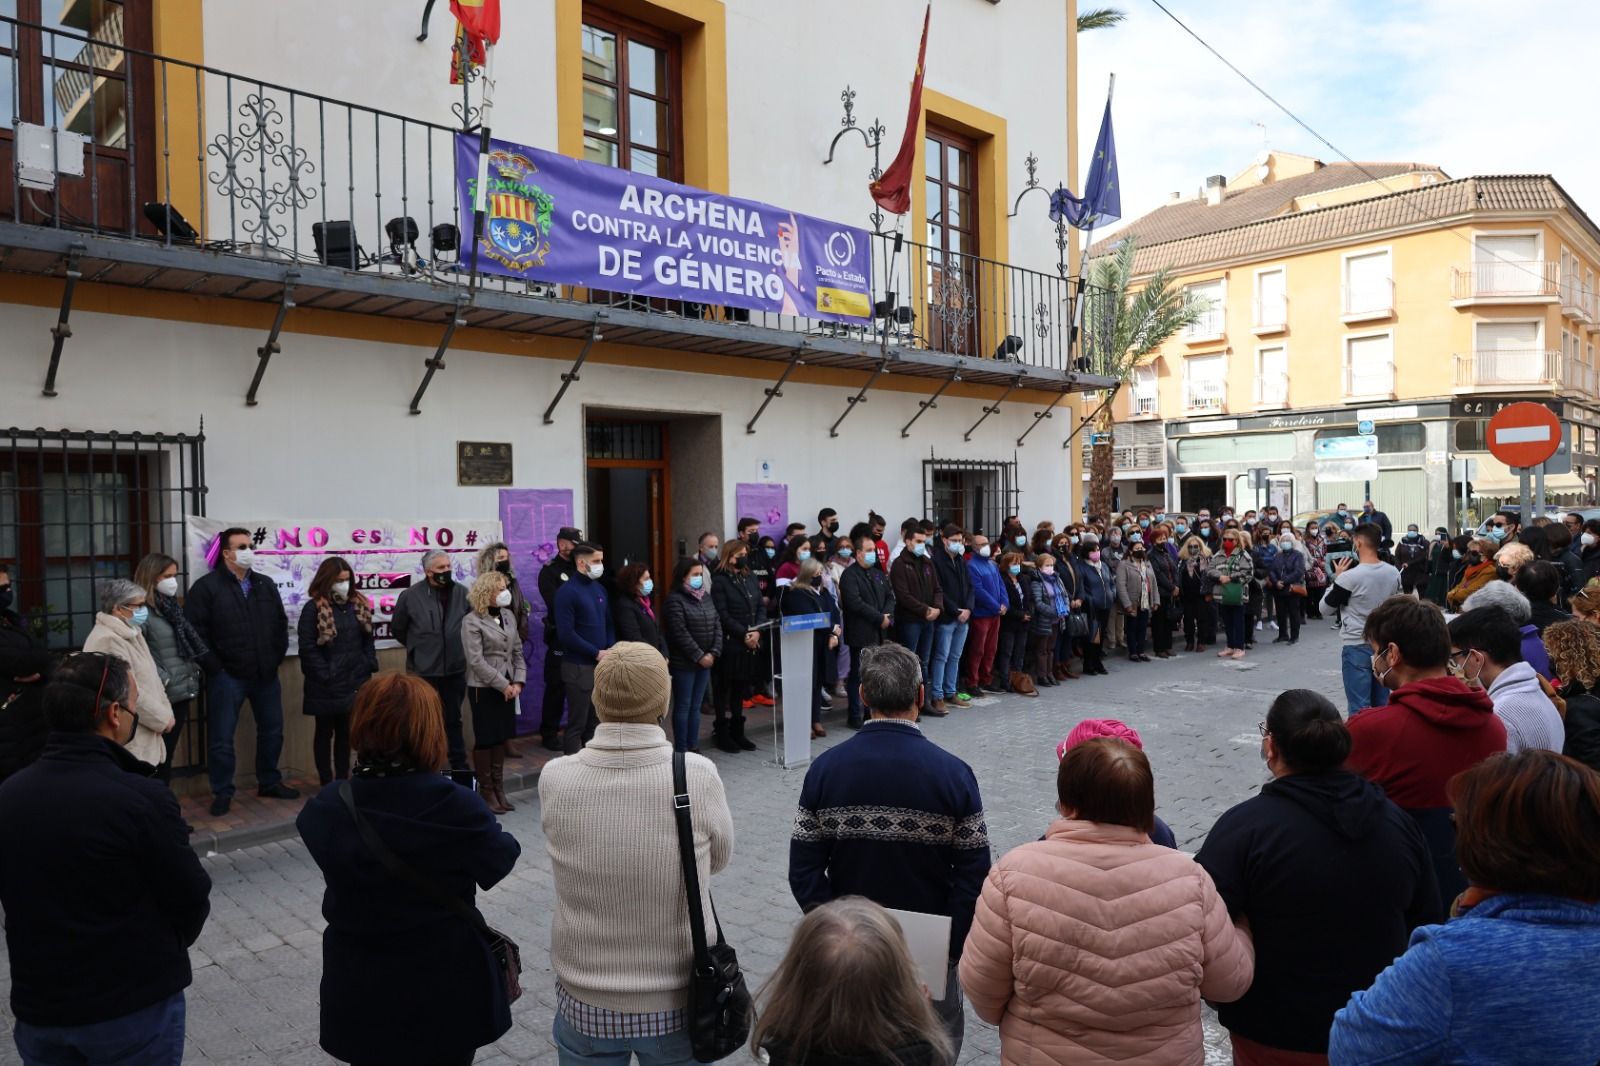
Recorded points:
(341, 590)
(244, 558)
(168, 586)
(1588, 540)
(503, 599)
(596, 570)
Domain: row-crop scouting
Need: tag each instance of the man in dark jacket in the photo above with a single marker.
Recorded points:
(891, 816)
(867, 604)
(102, 893)
(1370, 513)
(585, 632)
(24, 663)
(427, 620)
(240, 617)
(950, 632)
(555, 573)
(918, 601)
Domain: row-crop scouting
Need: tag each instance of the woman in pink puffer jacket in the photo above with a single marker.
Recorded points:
(1095, 945)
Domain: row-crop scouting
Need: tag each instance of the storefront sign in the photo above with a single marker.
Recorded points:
(481, 463)
(385, 556)
(1356, 447)
(1351, 417)
(1346, 470)
(1488, 406)
(551, 218)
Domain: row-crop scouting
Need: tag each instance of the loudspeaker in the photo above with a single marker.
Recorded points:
(336, 244)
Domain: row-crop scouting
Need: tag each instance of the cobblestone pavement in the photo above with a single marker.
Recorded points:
(257, 965)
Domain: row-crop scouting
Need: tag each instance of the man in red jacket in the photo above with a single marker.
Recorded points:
(1434, 726)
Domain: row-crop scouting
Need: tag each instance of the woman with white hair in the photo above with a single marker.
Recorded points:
(119, 631)
(496, 671)
(805, 595)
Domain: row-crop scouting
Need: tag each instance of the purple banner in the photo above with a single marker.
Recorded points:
(766, 503)
(529, 521)
(554, 219)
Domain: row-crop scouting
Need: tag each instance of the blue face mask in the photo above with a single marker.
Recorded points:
(802, 556)
(1074, 538)
(1456, 553)
(1182, 528)
(1144, 523)
(698, 581)
(1021, 541)
(771, 552)
(919, 549)
(1162, 517)
(845, 553)
(141, 615)
(1014, 569)
(1497, 533)
(870, 557)
(647, 587)
(954, 547)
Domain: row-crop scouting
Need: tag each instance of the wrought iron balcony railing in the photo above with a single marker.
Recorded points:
(280, 182)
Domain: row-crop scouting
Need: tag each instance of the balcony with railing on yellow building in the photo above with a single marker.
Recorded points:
(1529, 370)
(1500, 281)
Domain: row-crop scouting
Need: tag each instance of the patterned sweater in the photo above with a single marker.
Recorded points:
(891, 816)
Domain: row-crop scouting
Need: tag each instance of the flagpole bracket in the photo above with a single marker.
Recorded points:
(872, 136)
(775, 391)
(577, 364)
(427, 15)
(933, 401)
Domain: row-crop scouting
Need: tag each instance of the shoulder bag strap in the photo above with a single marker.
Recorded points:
(394, 865)
(691, 872)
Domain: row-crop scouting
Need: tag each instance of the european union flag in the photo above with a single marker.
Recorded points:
(1101, 202)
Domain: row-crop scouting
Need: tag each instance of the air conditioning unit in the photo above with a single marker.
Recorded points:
(40, 157)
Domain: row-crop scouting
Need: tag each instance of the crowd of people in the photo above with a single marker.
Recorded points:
(1362, 907)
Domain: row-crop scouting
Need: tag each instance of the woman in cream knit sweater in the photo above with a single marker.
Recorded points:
(619, 942)
(119, 630)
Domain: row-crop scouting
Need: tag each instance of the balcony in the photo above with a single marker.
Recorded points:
(1368, 381)
(1574, 301)
(283, 192)
(1529, 370)
(1141, 406)
(1130, 458)
(1272, 391)
(1367, 302)
(1272, 315)
(1211, 326)
(1205, 397)
(1499, 281)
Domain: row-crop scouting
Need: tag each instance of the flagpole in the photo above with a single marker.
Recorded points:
(481, 201)
(1088, 241)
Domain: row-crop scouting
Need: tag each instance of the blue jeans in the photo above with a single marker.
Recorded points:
(688, 693)
(1136, 626)
(949, 640)
(918, 636)
(575, 1049)
(149, 1037)
(1361, 688)
(225, 694)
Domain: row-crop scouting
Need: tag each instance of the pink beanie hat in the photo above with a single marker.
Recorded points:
(1090, 728)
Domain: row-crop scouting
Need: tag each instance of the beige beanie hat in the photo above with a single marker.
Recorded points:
(631, 684)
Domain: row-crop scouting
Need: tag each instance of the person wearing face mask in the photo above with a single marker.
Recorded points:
(1433, 726)
(1137, 596)
(586, 631)
(1286, 577)
(1486, 649)
(1048, 610)
(337, 656)
(496, 671)
(633, 610)
(1194, 594)
(1588, 545)
(918, 605)
(1164, 617)
(1370, 513)
(1232, 571)
(1097, 591)
(694, 644)
(1574, 649)
(866, 602)
(174, 643)
(806, 596)
(119, 630)
(552, 575)
(1011, 653)
(1208, 532)
(97, 859)
(1359, 586)
(1337, 546)
(1330, 874)
(24, 666)
(241, 619)
(1477, 571)
(796, 551)
(497, 556)
(1315, 549)
(762, 563)
(827, 523)
(1503, 527)
(988, 611)
(1411, 557)
(1263, 604)
(427, 619)
(950, 632)
(739, 605)
(1113, 549)
(1441, 557)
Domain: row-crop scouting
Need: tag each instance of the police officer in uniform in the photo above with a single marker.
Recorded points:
(552, 576)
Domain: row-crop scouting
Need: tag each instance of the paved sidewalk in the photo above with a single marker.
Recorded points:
(258, 962)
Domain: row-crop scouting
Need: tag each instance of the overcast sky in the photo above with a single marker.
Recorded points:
(1473, 86)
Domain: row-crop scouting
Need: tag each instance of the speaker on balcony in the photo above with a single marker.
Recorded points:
(1009, 348)
(336, 244)
(170, 224)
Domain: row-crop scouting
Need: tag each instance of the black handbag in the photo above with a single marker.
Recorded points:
(719, 1003)
(507, 956)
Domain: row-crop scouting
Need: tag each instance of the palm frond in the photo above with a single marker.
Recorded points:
(1100, 18)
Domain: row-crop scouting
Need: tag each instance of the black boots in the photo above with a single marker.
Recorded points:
(740, 741)
(722, 736)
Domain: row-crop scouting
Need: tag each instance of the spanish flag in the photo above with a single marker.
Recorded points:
(479, 26)
(892, 191)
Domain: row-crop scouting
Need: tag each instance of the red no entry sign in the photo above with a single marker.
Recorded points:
(1524, 434)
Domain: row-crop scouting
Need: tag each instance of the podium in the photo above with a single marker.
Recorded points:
(795, 632)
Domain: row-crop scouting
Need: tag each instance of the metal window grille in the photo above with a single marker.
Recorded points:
(976, 495)
(77, 508)
(624, 441)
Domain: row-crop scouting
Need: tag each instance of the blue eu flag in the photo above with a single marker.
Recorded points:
(1101, 202)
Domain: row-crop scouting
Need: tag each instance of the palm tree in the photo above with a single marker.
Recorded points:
(1099, 18)
(1120, 329)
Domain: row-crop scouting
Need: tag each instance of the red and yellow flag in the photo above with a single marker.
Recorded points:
(892, 191)
(478, 25)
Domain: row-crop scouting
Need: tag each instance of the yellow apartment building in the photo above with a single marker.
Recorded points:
(1362, 324)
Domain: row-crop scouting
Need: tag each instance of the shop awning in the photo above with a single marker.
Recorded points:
(1497, 479)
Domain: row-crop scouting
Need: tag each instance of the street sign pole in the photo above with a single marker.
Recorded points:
(1527, 495)
(1538, 495)
(1461, 523)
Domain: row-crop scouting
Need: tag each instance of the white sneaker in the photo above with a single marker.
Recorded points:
(1258, 627)
(1273, 624)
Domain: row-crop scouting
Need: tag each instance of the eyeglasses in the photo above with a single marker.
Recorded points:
(1262, 727)
(1497, 525)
